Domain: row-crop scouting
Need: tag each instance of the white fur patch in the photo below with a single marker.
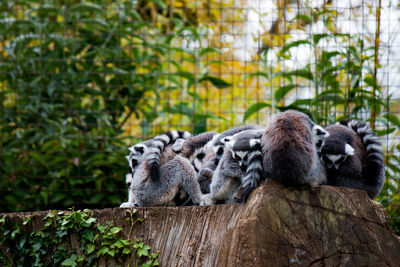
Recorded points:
(164, 137)
(369, 137)
(174, 134)
(186, 135)
(320, 132)
(349, 150)
(216, 148)
(374, 147)
(226, 139)
(241, 154)
(254, 142)
(132, 148)
(333, 158)
(230, 144)
(129, 178)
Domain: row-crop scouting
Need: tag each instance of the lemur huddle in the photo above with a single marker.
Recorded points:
(176, 168)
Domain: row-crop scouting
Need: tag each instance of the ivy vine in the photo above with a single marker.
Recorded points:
(50, 246)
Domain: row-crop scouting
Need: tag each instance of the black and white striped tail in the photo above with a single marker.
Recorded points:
(159, 143)
(253, 174)
(374, 170)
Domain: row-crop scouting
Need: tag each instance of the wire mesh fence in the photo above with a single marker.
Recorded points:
(82, 80)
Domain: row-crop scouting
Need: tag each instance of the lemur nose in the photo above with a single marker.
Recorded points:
(243, 167)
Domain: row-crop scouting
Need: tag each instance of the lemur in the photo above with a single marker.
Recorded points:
(198, 150)
(151, 153)
(353, 157)
(212, 153)
(219, 146)
(240, 165)
(289, 150)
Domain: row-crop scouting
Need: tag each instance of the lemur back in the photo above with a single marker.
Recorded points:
(176, 174)
(240, 165)
(289, 152)
(353, 157)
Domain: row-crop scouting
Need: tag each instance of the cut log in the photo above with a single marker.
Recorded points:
(277, 226)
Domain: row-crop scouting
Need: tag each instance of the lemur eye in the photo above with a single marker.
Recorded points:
(133, 162)
(220, 151)
(245, 157)
(200, 155)
(130, 170)
(237, 157)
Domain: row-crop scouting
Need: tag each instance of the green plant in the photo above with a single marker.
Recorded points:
(72, 75)
(51, 245)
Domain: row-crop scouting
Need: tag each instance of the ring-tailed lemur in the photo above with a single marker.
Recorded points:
(212, 153)
(289, 150)
(152, 153)
(175, 175)
(353, 157)
(198, 149)
(240, 165)
(219, 146)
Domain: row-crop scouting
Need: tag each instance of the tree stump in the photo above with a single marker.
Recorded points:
(277, 226)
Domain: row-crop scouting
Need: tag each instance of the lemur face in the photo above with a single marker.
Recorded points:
(135, 156)
(240, 146)
(336, 157)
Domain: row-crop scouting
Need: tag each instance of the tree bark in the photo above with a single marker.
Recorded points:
(277, 226)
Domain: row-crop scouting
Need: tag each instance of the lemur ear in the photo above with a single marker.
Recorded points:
(139, 149)
(226, 139)
(349, 150)
(320, 132)
(255, 142)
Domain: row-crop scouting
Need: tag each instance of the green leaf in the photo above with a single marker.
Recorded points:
(281, 92)
(393, 119)
(287, 46)
(255, 108)
(71, 261)
(160, 4)
(115, 230)
(257, 73)
(208, 50)
(126, 251)
(217, 82)
(318, 37)
(90, 248)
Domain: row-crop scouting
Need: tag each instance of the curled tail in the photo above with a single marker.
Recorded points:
(253, 174)
(374, 172)
(153, 156)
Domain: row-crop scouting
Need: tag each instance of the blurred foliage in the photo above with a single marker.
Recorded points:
(72, 73)
(80, 80)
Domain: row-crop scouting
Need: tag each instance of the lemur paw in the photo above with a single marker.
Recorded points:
(177, 147)
(206, 200)
(127, 205)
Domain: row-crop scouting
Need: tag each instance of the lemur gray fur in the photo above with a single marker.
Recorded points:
(153, 153)
(198, 150)
(289, 150)
(196, 147)
(219, 146)
(175, 175)
(353, 157)
(212, 153)
(240, 165)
